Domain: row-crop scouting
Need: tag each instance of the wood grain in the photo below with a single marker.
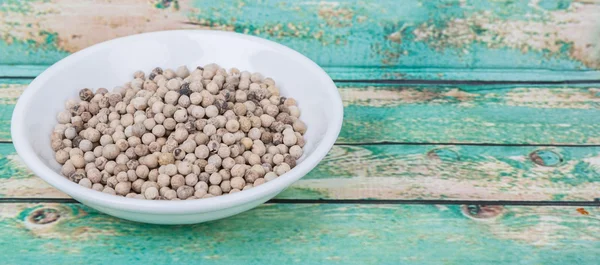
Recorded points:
(352, 39)
(307, 234)
(492, 114)
(408, 172)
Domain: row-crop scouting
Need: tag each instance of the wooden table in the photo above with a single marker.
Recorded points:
(471, 136)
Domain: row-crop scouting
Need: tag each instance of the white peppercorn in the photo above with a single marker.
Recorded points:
(122, 176)
(70, 133)
(151, 161)
(136, 186)
(201, 185)
(170, 169)
(112, 182)
(184, 168)
(105, 140)
(184, 101)
(215, 190)
(296, 151)
(173, 84)
(210, 168)
(180, 135)
(211, 111)
(300, 140)
(89, 157)
(97, 187)
(294, 111)
(148, 138)
(253, 159)
(170, 194)
(169, 110)
(78, 161)
(122, 188)
(282, 169)
(266, 120)
(177, 181)
(241, 95)
(61, 156)
(165, 159)
(256, 121)
(110, 151)
(232, 126)
(200, 193)
(75, 152)
(270, 176)
(180, 115)
(110, 166)
(237, 182)
(283, 149)
(147, 185)
(121, 159)
(163, 180)
(151, 193)
(184, 192)
(277, 159)
(215, 178)
(259, 181)
(215, 160)
(289, 139)
(191, 179)
(85, 182)
(258, 147)
(109, 190)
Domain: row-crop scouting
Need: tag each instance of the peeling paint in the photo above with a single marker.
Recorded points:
(449, 35)
(554, 32)
(52, 22)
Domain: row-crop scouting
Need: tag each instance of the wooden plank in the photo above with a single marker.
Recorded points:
(471, 114)
(542, 115)
(532, 173)
(557, 38)
(408, 172)
(307, 234)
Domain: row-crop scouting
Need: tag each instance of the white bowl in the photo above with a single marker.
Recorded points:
(113, 63)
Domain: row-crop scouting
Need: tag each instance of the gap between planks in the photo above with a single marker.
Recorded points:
(595, 203)
(429, 81)
(438, 143)
(454, 144)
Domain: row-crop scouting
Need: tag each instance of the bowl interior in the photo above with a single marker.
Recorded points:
(112, 64)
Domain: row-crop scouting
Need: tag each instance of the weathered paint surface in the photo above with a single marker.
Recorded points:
(307, 234)
(471, 114)
(408, 172)
(413, 39)
(534, 173)
(439, 39)
(443, 114)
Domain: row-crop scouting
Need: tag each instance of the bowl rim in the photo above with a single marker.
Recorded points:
(29, 157)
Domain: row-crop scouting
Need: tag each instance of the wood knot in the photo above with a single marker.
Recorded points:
(44, 216)
(546, 158)
(443, 154)
(162, 4)
(482, 211)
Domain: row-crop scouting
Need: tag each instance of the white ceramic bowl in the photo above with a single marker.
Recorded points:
(112, 63)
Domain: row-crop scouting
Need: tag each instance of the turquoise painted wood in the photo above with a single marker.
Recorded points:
(497, 114)
(412, 39)
(397, 142)
(307, 234)
(509, 173)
